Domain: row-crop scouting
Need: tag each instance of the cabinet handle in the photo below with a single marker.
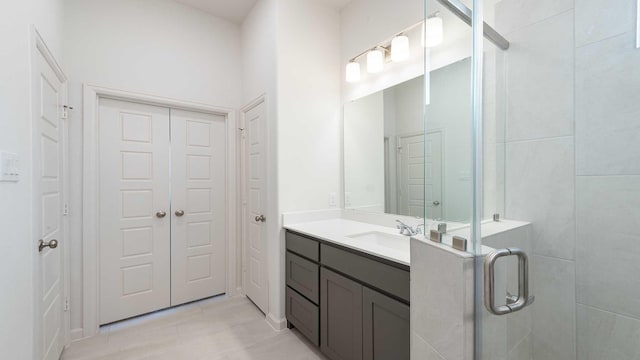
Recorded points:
(161, 214)
(179, 212)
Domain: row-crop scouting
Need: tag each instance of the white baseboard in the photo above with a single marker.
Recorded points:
(276, 324)
(76, 334)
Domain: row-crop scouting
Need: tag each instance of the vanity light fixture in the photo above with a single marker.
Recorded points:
(432, 31)
(375, 60)
(397, 47)
(400, 48)
(353, 71)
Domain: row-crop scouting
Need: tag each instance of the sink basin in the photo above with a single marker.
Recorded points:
(394, 241)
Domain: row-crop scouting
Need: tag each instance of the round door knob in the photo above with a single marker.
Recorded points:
(179, 212)
(260, 218)
(51, 244)
(436, 203)
(161, 214)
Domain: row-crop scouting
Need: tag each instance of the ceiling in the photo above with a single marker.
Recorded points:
(237, 10)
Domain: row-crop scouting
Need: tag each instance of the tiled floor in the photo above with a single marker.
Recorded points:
(215, 329)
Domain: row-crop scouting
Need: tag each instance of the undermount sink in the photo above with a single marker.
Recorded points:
(395, 241)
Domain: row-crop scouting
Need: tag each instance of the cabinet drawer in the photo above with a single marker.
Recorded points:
(381, 276)
(303, 276)
(302, 245)
(304, 315)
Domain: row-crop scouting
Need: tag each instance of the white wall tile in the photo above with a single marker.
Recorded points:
(607, 107)
(608, 253)
(442, 301)
(606, 335)
(540, 189)
(539, 80)
(554, 325)
(516, 14)
(596, 20)
(523, 350)
(420, 349)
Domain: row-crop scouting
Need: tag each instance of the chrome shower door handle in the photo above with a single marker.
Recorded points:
(522, 299)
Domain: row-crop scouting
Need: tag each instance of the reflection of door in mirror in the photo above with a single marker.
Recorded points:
(420, 191)
(386, 166)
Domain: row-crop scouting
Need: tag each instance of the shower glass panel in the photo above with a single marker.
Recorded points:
(555, 144)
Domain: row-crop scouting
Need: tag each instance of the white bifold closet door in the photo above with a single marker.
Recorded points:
(162, 198)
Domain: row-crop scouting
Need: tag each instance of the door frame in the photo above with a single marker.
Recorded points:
(39, 48)
(90, 195)
(243, 223)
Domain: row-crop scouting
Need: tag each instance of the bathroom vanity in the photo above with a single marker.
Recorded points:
(344, 297)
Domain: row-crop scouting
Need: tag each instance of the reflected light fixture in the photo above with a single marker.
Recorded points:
(375, 60)
(353, 71)
(432, 31)
(400, 48)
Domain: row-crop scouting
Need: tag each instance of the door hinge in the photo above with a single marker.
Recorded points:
(66, 304)
(65, 209)
(65, 111)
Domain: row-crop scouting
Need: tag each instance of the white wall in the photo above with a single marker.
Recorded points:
(158, 47)
(364, 125)
(309, 134)
(290, 55)
(365, 23)
(17, 241)
(259, 77)
(450, 111)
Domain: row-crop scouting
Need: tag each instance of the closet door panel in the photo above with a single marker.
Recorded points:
(198, 188)
(134, 242)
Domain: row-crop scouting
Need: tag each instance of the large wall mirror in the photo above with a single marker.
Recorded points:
(386, 166)
(407, 141)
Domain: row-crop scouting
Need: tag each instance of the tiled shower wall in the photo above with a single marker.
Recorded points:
(572, 109)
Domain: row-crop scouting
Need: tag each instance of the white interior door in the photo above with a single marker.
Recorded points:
(411, 175)
(255, 229)
(134, 241)
(198, 204)
(48, 210)
(417, 193)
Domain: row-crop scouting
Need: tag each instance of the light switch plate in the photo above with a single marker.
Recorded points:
(9, 167)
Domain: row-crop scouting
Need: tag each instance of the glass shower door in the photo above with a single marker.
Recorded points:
(558, 111)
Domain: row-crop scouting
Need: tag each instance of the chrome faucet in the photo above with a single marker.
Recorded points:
(408, 230)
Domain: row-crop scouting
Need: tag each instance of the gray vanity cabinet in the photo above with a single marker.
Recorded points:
(351, 304)
(341, 316)
(385, 327)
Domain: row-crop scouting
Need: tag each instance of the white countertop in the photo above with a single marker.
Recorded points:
(338, 231)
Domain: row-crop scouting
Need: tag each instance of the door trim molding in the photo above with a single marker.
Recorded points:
(90, 196)
(39, 48)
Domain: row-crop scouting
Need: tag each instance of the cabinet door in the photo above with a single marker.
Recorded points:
(341, 317)
(385, 327)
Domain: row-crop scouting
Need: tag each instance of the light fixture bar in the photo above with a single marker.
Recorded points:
(387, 43)
(464, 13)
